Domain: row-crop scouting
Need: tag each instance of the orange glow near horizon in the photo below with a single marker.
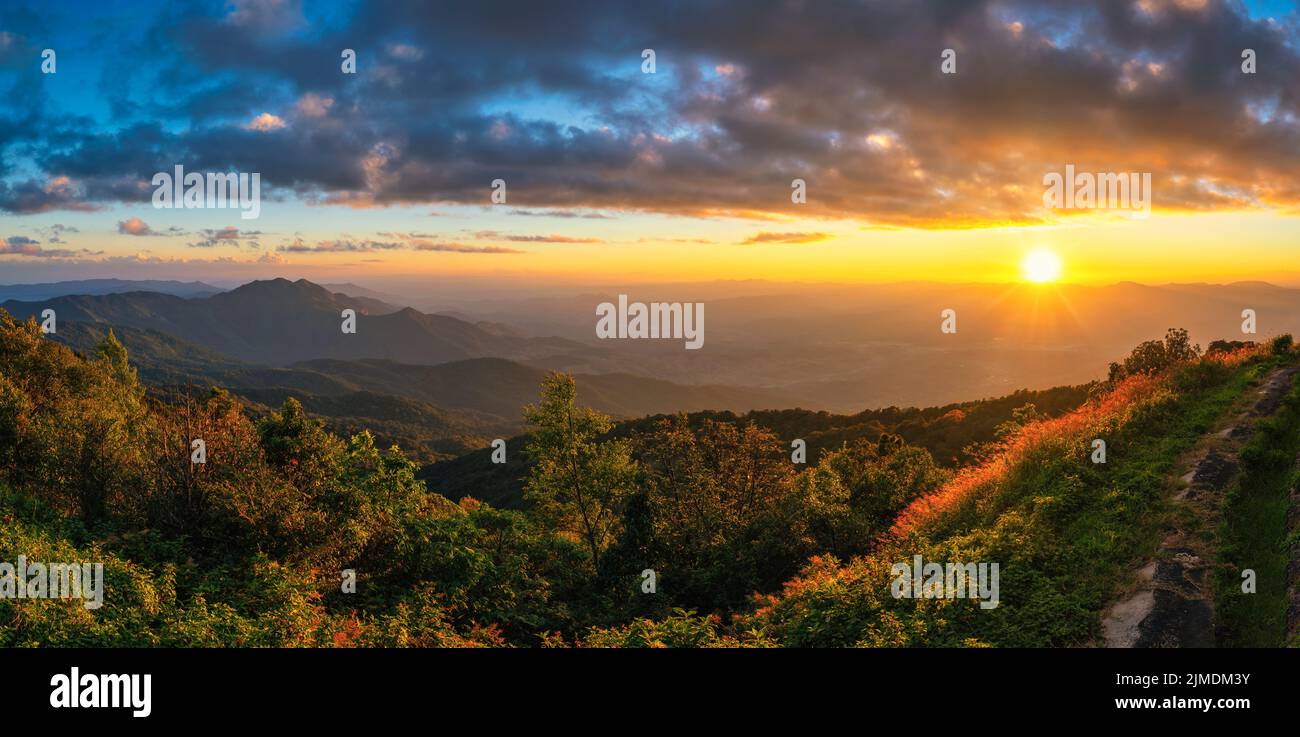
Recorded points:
(1166, 248)
(640, 247)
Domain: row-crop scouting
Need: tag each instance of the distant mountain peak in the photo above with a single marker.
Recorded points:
(280, 285)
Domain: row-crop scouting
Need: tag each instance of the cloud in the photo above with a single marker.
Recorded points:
(428, 242)
(229, 235)
(31, 196)
(54, 233)
(266, 122)
(135, 226)
(21, 245)
(561, 214)
(403, 241)
(405, 52)
(312, 105)
(852, 101)
(786, 238)
(339, 246)
(461, 248)
(493, 235)
(266, 16)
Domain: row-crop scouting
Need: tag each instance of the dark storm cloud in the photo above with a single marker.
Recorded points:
(29, 196)
(748, 96)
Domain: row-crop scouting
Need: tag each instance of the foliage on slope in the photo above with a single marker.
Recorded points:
(1063, 529)
(954, 435)
(248, 548)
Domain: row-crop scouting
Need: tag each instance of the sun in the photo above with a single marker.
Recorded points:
(1041, 266)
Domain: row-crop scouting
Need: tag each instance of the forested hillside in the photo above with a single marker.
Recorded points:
(434, 412)
(742, 546)
(954, 434)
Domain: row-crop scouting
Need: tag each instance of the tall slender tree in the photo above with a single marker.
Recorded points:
(578, 482)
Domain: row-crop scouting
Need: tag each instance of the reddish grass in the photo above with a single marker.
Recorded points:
(1080, 425)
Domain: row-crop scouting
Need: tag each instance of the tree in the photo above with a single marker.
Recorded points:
(111, 351)
(719, 516)
(1281, 345)
(578, 482)
(1154, 356)
(885, 476)
(1227, 346)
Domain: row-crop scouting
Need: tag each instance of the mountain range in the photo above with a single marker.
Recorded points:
(278, 322)
(104, 286)
(456, 399)
(446, 381)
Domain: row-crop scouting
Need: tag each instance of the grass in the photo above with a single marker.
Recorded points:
(1254, 533)
(1125, 509)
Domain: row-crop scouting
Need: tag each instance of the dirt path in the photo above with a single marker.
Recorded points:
(1172, 602)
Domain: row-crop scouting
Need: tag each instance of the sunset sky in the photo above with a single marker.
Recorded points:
(682, 174)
